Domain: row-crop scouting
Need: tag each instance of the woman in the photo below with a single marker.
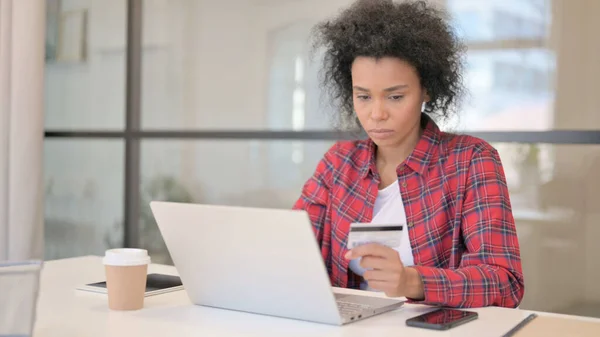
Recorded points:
(394, 67)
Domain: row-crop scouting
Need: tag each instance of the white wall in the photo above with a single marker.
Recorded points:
(219, 86)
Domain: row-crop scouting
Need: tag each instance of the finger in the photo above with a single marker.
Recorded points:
(378, 276)
(392, 277)
(384, 286)
(375, 262)
(373, 249)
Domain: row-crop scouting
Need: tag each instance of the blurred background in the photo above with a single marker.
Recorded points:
(219, 102)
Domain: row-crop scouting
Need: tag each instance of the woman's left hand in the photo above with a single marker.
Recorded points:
(386, 272)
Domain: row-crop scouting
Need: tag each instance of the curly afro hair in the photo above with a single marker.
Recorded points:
(413, 31)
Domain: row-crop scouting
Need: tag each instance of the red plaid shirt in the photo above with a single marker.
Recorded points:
(458, 214)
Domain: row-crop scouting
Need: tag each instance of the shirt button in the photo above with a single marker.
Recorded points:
(410, 224)
(403, 184)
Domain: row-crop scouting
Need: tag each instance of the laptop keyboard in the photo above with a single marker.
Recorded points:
(349, 308)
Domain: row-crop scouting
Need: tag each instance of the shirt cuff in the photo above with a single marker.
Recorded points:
(435, 287)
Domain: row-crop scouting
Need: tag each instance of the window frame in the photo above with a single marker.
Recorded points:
(132, 135)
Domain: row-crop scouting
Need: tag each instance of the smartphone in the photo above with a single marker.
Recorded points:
(442, 319)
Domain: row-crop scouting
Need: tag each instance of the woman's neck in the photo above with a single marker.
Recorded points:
(394, 155)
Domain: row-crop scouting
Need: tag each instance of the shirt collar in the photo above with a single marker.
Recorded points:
(420, 157)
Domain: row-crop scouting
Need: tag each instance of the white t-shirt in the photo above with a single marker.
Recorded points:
(389, 209)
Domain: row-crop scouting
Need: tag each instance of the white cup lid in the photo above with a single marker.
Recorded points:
(126, 257)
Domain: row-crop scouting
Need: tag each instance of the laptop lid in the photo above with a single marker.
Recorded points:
(263, 261)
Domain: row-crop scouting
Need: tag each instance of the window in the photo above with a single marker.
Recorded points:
(510, 66)
(230, 112)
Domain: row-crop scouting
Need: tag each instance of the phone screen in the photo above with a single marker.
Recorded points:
(442, 318)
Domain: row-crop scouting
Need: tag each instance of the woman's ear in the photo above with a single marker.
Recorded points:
(426, 97)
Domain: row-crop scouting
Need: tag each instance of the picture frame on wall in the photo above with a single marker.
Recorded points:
(72, 36)
(66, 34)
(52, 23)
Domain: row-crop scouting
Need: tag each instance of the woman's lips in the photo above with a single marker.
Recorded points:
(381, 133)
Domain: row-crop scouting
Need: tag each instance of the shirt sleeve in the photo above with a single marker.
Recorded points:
(490, 271)
(315, 199)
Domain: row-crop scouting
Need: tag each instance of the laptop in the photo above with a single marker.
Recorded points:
(262, 261)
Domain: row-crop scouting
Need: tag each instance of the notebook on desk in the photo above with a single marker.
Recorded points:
(545, 326)
(156, 284)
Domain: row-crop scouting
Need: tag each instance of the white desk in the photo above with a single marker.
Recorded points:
(64, 311)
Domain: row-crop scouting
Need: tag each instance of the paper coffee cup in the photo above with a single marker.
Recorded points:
(126, 272)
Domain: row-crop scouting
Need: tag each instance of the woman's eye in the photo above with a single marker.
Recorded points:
(363, 97)
(396, 97)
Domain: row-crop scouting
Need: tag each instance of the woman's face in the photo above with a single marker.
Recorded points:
(387, 97)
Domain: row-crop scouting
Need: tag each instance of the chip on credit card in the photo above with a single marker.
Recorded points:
(389, 235)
